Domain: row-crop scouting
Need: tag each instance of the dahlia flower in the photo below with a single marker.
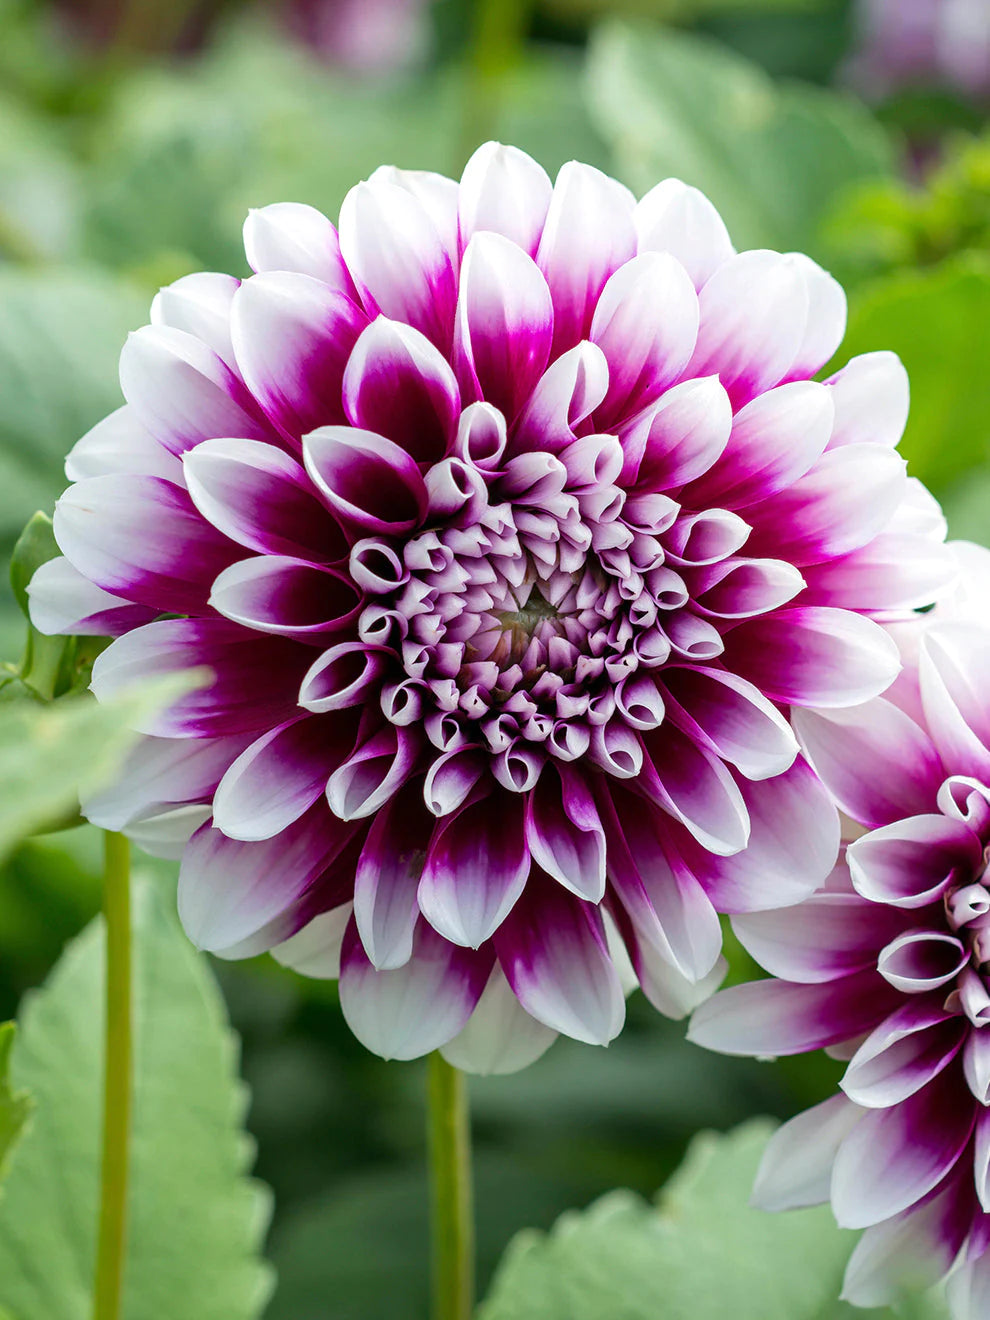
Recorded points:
(889, 966)
(921, 43)
(510, 522)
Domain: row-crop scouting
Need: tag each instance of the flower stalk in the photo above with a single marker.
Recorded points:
(117, 1082)
(451, 1208)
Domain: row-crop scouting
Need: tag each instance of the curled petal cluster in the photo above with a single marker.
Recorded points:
(511, 524)
(888, 966)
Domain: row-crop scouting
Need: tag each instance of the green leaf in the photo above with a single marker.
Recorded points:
(321, 1250)
(183, 154)
(47, 663)
(937, 321)
(60, 337)
(196, 1221)
(39, 183)
(772, 157)
(15, 1106)
(48, 752)
(49, 888)
(35, 546)
(702, 1250)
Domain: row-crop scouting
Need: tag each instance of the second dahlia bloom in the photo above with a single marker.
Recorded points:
(922, 43)
(889, 967)
(510, 523)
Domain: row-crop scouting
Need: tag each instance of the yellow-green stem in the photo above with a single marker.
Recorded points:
(451, 1208)
(117, 1082)
(496, 46)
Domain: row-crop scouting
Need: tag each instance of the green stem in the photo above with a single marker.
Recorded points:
(109, 1279)
(497, 41)
(452, 1221)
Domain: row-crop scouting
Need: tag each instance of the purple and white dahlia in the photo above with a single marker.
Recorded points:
(511, 524)
(921, 43)
(889, 967)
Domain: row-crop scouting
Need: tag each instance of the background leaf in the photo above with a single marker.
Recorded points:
(772, 157)
(60, 336)
(15, 1106)
(196, 1221)
(702, 1250)
(48, 752)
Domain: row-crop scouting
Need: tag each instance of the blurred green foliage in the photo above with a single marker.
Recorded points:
(900, 224)
(117, 175)
(190, 1200)
(772, 157)
(15, 1106)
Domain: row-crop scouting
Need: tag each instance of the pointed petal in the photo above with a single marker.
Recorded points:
(199, 304)
(871, 397)
(315, 950)
(667, 907)
(182, 392)
(476, 869)
(410, 1010)
(398, 258)
(504, 323)
(553, 952)
(374, 772)
(814, 656)
(230, 890)
(141, 538)
(902, 1055)
(733, 718)
(505, 192)
(894, 1157)
(877, 763)
(911, 1251)
(827, 936)
(777, 1017)
(696, 789)
(847, 499)
(279, 777)
(954, 658)
(292, 336)
(775, 439)
(160, 773)
(369, 482)
(282, 595)
(119, 443)
(500, 1036)
(912, 862)
(261, 498)
(588, 234)
(754, 314)
(291, 236)
(796, 1168)
(569, 390)
(397, 384)
(680, 438)
(63, 601)
(564, 834)
(826, 324)
(254, 685)
(387, 876)
(793, 844)
(669, 991)
(674, 217)
(646, 324)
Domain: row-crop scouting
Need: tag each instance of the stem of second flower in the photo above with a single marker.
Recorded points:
(451, 1207)
(117, 1085)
